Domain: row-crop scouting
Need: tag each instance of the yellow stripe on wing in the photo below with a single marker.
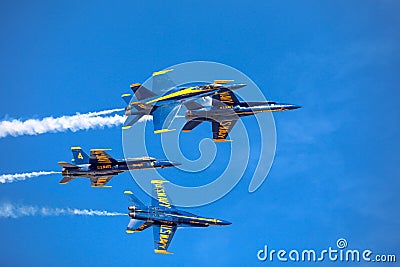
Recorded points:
(185, 91)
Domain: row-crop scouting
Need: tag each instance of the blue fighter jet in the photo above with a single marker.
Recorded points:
(164, 217)
(100, 167)
(164, 107)
(225, 112)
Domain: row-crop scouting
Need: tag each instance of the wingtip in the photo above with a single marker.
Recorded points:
(128, 192)
(159, 181)
(164, 131)
(160, 251)
(222, 81)
(135, 85)
(222, 141)
(161, 72)
(126, 127)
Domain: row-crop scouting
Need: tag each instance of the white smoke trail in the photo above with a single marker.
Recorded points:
(73, 123)
(146, 118)
(104, 112)
(9, 178)
(8, 210)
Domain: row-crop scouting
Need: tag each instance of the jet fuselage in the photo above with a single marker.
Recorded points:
(159, 215)
(91, 170)
(227, 112)
(178, 94)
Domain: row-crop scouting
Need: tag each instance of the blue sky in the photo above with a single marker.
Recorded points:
(335, 172)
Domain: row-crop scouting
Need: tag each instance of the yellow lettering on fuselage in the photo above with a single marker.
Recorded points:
(137, 165)
(102, 167)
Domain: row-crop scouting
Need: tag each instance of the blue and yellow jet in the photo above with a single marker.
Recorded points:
(163, 216)
(225, 112)
(100, 167)
(164, 107)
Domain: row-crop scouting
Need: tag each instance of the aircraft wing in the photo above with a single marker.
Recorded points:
(221, 129)
(99, 156)
(224, 98)
(163, 116)
(100, 181)
(163, 235)
(159, 195)
(190, 125)
(137, 226)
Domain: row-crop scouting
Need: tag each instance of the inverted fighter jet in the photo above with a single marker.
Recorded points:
(164, 217)
(164, 107)
(100, 167)
(225, 112)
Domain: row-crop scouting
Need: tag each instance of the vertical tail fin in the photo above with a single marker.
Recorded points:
(134, 200)
(80, 157)
(142, 92)
(127, 98)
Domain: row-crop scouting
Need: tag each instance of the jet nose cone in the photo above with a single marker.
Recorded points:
(295, 107)
(236, 86)
(223, 222)
(166, 163)
(173, 163)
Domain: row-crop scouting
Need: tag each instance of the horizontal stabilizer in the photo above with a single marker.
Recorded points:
(135, 226)
(66, 180)
(68, 165)
(130, 121)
